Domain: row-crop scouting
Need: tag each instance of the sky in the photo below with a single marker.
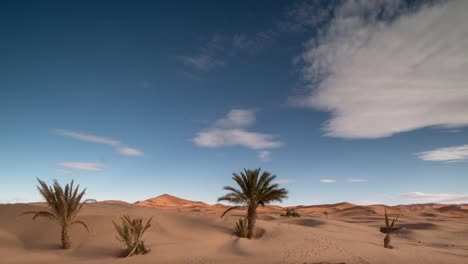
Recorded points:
(357, 101)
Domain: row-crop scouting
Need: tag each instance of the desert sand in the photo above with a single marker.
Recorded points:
(190, 232)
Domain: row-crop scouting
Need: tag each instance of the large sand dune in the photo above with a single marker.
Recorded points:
(184, 231)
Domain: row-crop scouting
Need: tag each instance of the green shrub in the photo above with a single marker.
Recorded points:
(241, 228)
(290, 212)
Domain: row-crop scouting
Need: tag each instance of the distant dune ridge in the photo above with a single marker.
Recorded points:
(185, 231)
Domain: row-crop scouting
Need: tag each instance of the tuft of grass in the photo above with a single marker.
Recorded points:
(65, 204)
(290, 212)
(389, 228)
(241, 228)
(130, 233)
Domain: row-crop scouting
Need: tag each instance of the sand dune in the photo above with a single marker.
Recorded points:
(181, 235)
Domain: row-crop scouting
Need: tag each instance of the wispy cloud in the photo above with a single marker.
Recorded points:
(264, 155)
(120, 147)
(217, 137)
(357, 180)
(449, 154)
(327, 181)
(220, 48)
(89, 166)
(203, 62)
(88, 138)
(303, 15)
(231, 131)
(448, 198)
(284, 181)
(255, 42)
(237, 118)
(209, 56)
(381, 68)
(130, 151)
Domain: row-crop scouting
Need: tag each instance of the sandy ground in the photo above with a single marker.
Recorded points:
(193, 233)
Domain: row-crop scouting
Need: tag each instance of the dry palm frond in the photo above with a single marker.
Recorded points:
(387, 222)
(130, 233)
(389, 229)
(65, 204)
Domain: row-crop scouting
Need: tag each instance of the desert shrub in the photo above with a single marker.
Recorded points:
(290, 212)
(389, 229)
(130, 233)
(241, 228)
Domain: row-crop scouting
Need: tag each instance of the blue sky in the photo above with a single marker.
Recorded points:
(359, 101)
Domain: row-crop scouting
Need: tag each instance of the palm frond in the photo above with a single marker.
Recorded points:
(78, 222)
(229, 209)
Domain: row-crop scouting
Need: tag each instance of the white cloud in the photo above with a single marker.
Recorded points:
(101, 140)
(216, 137)
(284, 181)
(357, 180)
(449, 154)
(130, 151)
(447, 198)
(264, 155)
(379, 77)
(90, 166)
(327, 181)
(88, 138)
(237, 118)
(230, 131)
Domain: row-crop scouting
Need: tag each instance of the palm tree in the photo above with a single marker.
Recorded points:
(254, 190)
(65, 203)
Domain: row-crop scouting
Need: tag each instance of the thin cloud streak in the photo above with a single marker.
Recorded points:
(446, 198)
(449, 154)
(327, 181)
(284, 181)
(124, 150)
(357, 180)
(87, 166)
(130, 151)
(88, 137)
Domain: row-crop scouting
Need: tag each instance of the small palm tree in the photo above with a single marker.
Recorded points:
(65, 204)
(255, 190)
(130, 233)
(389, 229)
(290, 212)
